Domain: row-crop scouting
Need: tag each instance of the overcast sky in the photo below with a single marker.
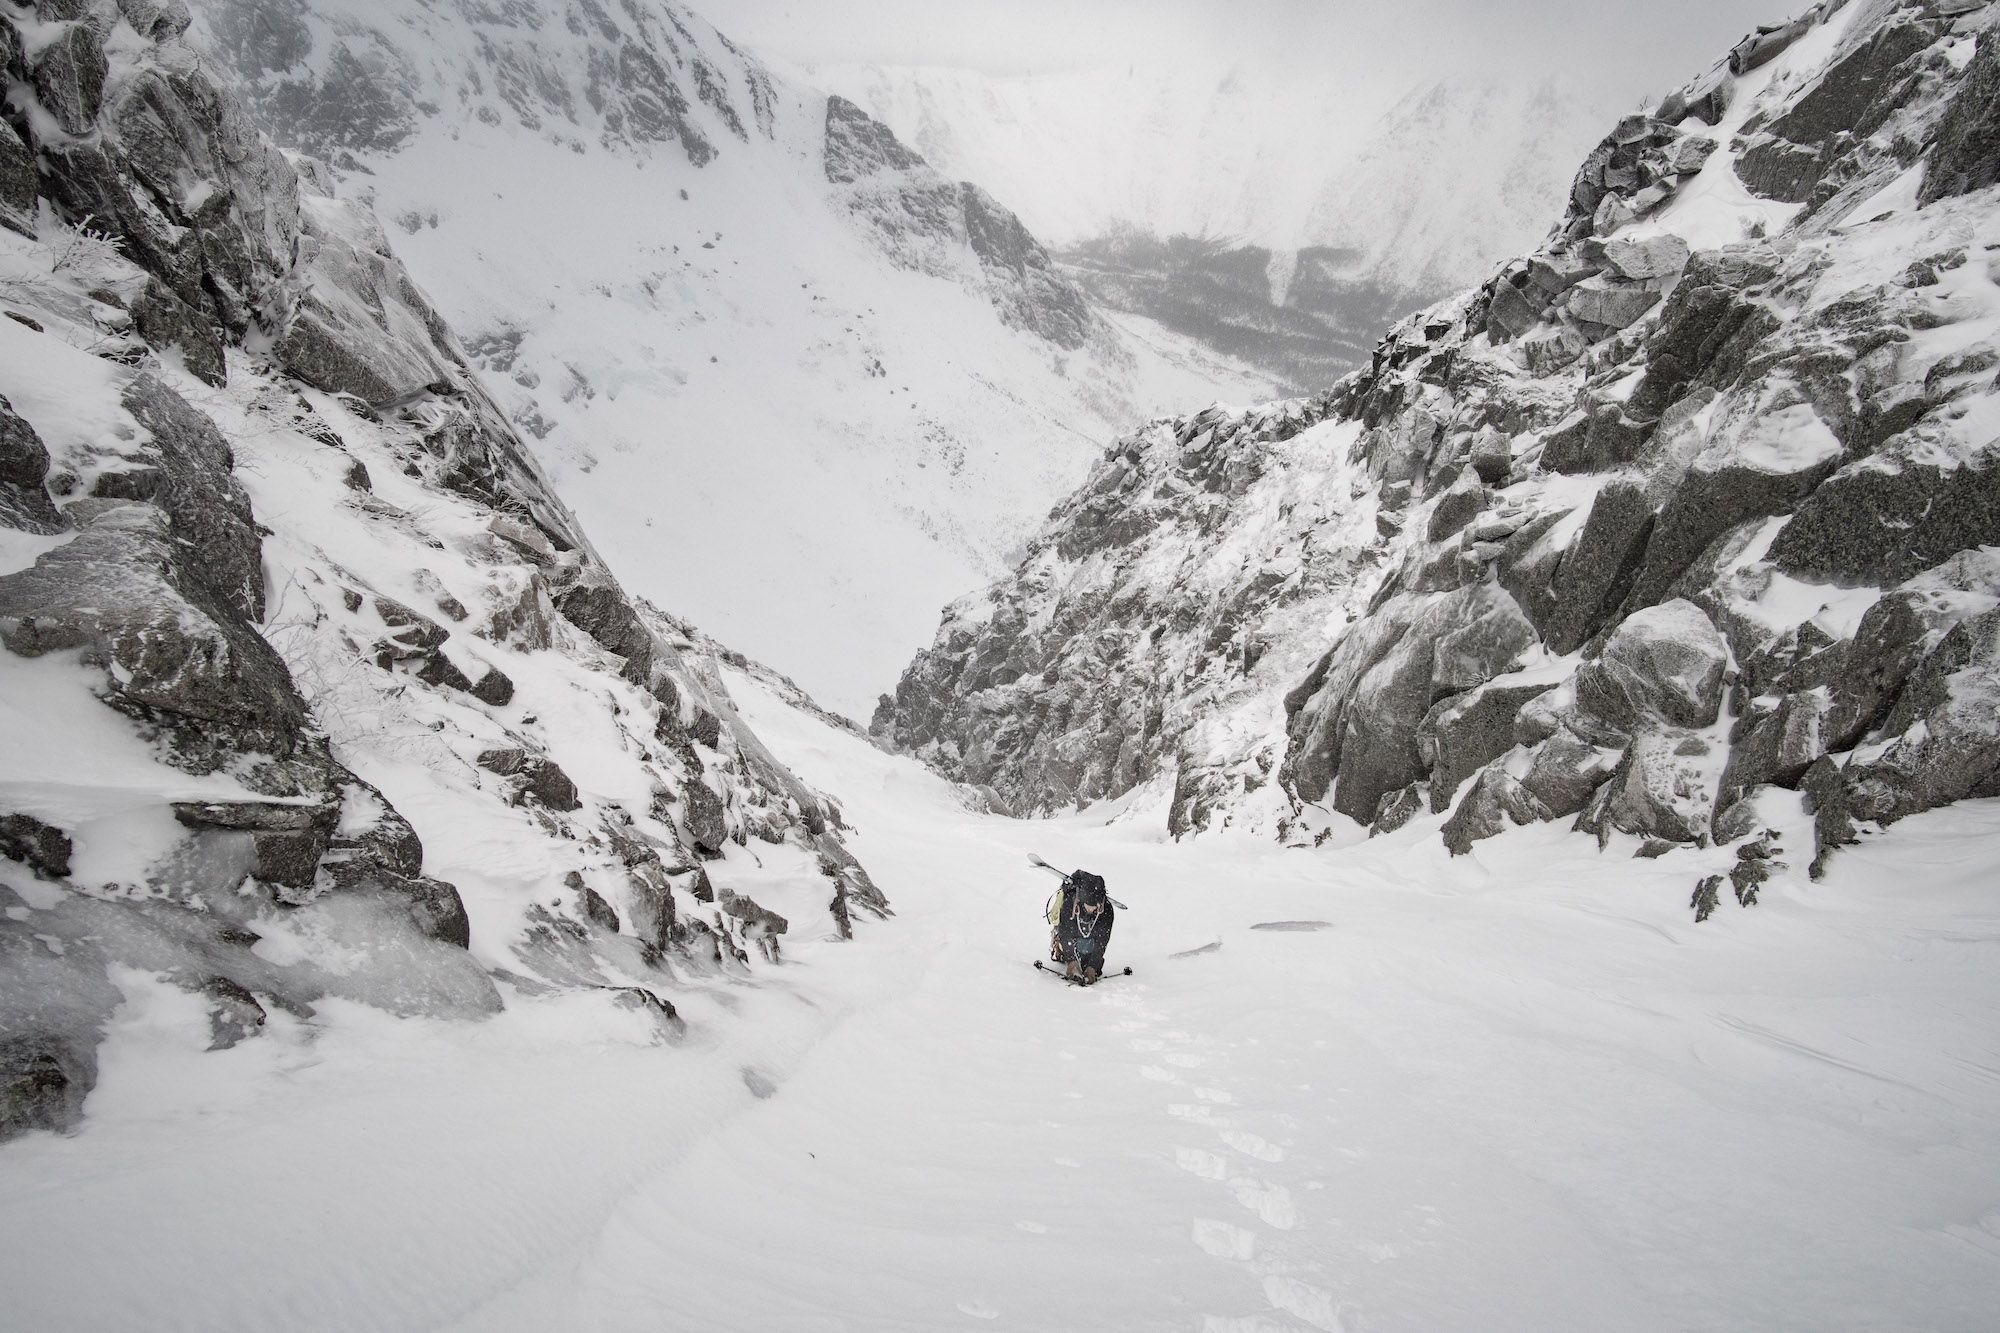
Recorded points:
(1644, 45)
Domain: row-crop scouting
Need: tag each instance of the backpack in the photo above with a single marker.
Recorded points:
(1082, 897)
(1087, 900)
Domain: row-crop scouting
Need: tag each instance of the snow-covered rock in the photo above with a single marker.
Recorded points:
(1707, 479)
(312, 685)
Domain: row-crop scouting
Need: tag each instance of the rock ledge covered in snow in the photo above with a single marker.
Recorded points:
(312, 687)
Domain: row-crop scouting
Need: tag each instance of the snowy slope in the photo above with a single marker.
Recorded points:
(800, 411)
(1506, 1093)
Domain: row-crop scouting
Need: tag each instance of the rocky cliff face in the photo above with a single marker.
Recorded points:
(1688, 511)
(312, 686)
(927, 223)
(343, 78)
(1307, 316)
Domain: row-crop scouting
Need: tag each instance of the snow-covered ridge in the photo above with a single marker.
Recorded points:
(1684, 512)
(313, 688)
(801, 394)
(351, 76)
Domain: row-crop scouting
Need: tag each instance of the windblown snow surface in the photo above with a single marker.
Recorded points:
(1516, 1090)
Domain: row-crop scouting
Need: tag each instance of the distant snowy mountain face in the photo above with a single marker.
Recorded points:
(802, 386)
(1301, 314)
(311, 687)
(1284, 226)
(1685, 517)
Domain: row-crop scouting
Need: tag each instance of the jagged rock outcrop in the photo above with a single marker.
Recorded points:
(301, 641)
(931, 224)
(1131, 619)
(1686, 506)
(630, 75)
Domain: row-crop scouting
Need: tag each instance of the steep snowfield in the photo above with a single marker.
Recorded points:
(776, 417)
(1512, 1091)
(1427, 181)
(784, 438)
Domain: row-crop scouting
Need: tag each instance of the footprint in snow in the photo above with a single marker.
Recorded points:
(1157, 1074)
(977, 1308)
(1253, 1145)
(1185, 1061)
(1032, 1228)
(1273, 1203)
(1214, 1095)
(1200, 1162)
(1197, 1114)
(1148, 1044)
(1302, 1300)
(1224, 1240)
(1249, 1323)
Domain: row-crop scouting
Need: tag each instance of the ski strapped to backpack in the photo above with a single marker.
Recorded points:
(1034, 860)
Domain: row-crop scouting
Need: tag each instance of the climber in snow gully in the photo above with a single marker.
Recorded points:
(1080, 915)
